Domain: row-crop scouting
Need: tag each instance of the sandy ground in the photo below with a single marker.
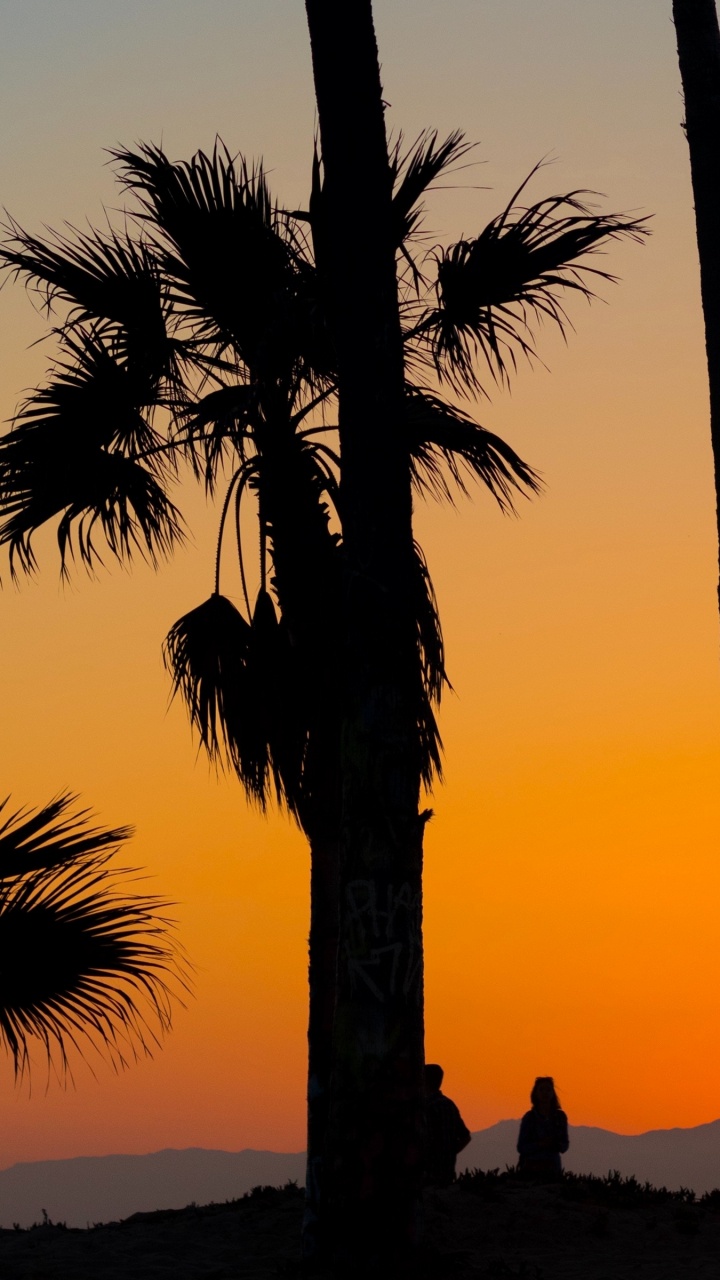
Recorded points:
(479, 1231)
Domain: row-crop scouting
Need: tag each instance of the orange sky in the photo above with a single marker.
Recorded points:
(572, 870)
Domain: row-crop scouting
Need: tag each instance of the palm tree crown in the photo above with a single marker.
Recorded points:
(199, 332)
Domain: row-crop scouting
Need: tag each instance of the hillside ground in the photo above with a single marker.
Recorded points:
(486, 1226)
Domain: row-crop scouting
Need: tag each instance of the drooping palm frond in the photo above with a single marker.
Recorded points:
(242, 693)
(71, 452)
(82, 961)
(433, 675)
(206, 652)
(492, 289)
(446, 446)
(102, 491)
(429, 630)
(429, 743)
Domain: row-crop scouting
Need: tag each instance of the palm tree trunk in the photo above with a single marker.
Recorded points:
(376, 1113)
(698, 40)
(307, 581)
(323, 950)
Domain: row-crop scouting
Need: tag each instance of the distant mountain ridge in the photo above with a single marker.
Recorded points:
(670, 1158)
(90, 1189)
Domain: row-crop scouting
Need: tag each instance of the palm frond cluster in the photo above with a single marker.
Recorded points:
(199, 332)
(491, 290)
(82, 961)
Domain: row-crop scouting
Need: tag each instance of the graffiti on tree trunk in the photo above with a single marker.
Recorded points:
(382, 941)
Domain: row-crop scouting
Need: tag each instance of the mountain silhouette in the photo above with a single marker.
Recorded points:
(90, 1189)
(671, 1158)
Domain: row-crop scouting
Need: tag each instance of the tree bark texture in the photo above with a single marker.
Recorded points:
(322, 973)
(374, 1152)
(307, 579)
(698, 41)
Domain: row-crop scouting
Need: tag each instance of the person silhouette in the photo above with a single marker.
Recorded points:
(543, 1133)
(447, 1133)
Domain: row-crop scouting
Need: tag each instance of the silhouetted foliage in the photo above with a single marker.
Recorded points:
(612, 1189)
(83, 961)
(203, 333)
(490, 290)
(199, 332)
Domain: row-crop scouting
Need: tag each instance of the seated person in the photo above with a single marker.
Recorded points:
(543, 1133)
(447, 1133)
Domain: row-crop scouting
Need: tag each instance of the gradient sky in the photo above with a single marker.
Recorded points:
(572, 881)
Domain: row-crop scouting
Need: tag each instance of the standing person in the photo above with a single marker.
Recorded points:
(543, 1132)
(447, 1133)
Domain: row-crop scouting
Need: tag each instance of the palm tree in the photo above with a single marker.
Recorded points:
(82, 961)
(375, 1141)
(202, 332)
(376, 1134)
(698, 41)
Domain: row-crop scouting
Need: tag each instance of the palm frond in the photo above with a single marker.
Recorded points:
(491, 290)
(107, 279)
(50, 836)
(238, 683)
(429, 742)
(447, 448)
(67, 456)
(206, 652)
(215, 424)
(221, 241)
(82, 961)
(433, 675)
(316, 214)
(99, 276)
(413, 173)
(94, 396)
(103, 492)
(429, 629)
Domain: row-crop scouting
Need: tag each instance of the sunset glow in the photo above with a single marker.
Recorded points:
(572, 872)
